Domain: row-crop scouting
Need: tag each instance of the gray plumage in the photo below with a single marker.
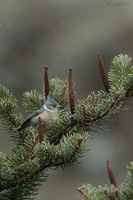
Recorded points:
(49, 114)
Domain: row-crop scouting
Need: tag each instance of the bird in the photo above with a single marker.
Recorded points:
(49, 114)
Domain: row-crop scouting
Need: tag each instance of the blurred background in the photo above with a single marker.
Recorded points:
(61, 35)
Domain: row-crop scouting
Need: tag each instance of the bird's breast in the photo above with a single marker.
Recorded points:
(48, 119)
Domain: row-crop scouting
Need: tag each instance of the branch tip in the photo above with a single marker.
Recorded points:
(80, 140)
(71, 92)
(103, 72)
(110, 174)
(82, 191)
(45, 67)
(46, 82)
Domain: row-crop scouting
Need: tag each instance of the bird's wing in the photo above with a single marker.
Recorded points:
(27, 120)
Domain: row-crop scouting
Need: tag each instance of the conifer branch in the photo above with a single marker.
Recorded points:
(33, 155)
(123, 192)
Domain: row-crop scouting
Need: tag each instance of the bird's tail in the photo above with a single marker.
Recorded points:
(21, 127)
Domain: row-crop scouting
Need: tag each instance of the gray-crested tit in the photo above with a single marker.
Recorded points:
(49, 114)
